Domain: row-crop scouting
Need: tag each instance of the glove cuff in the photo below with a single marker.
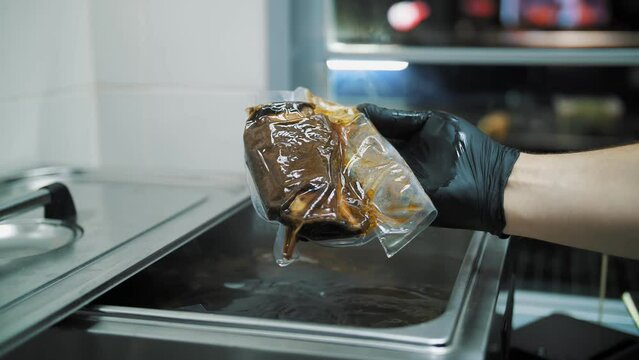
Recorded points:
(509, 157)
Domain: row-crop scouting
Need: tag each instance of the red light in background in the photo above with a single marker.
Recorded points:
(406, 15)
(480, 8)
(542, 15)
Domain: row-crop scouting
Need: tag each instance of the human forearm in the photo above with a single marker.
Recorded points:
(588, 200)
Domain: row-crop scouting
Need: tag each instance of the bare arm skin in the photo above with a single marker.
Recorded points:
(588, 200)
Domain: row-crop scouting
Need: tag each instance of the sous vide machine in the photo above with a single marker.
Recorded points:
(97, 263)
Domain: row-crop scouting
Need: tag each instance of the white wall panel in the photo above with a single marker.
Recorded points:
(173, 130)
(44, 46)
(46, 82)
(129, 84)
(182, 43)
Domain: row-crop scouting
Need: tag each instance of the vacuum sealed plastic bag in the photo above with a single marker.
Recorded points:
(326, 175)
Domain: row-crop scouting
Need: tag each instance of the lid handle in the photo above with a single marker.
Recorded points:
(56, 199)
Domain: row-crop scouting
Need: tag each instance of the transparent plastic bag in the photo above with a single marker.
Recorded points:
(326, 175)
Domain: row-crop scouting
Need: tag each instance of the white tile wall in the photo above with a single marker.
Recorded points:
(59, 129)
(18, 134)
(129, 84)
(44, 46)
(174, 78)
(46, 75)
(220, 44)
(68, 133)
(173, 130)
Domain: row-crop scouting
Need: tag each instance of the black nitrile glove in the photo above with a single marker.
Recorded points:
(463, 171)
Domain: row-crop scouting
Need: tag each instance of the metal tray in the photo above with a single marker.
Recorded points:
(226, 278)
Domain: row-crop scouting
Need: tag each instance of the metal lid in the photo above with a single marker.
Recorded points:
(28, 237)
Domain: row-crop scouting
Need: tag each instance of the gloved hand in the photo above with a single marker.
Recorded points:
(462, 170)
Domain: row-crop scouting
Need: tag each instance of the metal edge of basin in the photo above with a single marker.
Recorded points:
(436, 332)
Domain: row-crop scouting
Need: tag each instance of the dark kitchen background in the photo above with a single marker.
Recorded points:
(540, 75)
(163, 87)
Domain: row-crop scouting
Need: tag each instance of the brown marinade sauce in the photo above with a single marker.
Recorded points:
(296, 158)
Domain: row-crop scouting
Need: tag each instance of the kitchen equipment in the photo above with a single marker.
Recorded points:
(631, 300)
(414, 298)
(559, 336)
(28, 237)
(219, 293)
(118, 215)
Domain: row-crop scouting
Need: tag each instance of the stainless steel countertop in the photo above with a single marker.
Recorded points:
(116, 329)
(129, 221)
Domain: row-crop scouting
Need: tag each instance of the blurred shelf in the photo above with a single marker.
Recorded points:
(487, 55)
(548, 267)
(562, 142)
